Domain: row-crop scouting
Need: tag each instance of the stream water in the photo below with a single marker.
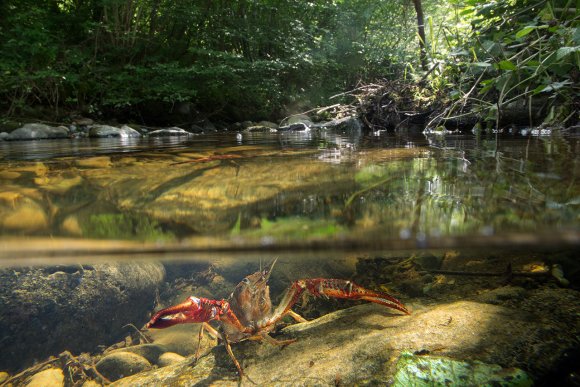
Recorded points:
(435, 219)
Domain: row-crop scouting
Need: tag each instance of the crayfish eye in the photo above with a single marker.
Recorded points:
(246, 281)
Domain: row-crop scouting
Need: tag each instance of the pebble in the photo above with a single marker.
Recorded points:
(121, 364)
(151, 352)
(52, 377)
(169, 358)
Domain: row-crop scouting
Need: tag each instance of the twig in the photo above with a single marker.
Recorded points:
(138, 331)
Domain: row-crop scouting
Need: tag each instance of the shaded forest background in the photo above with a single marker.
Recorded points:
(264, 59)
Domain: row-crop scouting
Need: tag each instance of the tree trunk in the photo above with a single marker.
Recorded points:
(421, 29)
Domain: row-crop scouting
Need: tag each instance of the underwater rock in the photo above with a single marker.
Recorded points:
(95, 162)
(151, 352)
(170, 358)
(121, 364)
(52, 377)
(208, 198)
(182, 339)
(501, 295)
(23, 215)
(364, 344)
(46, 310)
(38, 132)
(71, 226)
(9, 175)
(91, 383)
(413, 370)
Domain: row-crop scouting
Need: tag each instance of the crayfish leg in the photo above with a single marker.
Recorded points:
(231, 353)
(273, 341)
(211, 331)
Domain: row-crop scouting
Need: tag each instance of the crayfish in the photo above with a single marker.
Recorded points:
(247, 313)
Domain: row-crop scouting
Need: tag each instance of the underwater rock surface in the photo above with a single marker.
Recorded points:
(364, 344)
(76, 308)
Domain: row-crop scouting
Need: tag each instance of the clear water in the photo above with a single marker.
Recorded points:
(307, 191)
(325, 204)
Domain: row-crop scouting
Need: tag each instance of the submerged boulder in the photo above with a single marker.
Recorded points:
(46, 310)
(38, 132)
(371, 345)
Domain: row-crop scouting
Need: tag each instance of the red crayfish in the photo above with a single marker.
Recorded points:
(247, 314)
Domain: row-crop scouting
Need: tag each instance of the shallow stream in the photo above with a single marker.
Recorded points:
(478, 236)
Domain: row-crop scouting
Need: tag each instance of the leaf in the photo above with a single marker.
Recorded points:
(507, 65)
(525, 31)
(564, 51)
(552, 86)
(480, 64)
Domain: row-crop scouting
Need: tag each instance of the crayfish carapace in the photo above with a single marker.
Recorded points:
(247, 314)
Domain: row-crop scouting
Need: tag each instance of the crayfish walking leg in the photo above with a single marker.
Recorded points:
(330, 288)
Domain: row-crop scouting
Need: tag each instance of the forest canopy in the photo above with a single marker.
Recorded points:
(260, 59)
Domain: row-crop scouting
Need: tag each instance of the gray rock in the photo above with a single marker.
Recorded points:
(208, 126)
(38, 132)
(259, 129)
(46, 310)
(349, 125)
(268, 124)
(100, 131)
(4, 136)
(195, 129)
(83, 121)
(299, 127)
(121, 364)
(247, 124)
(169, 132)
(297, 119)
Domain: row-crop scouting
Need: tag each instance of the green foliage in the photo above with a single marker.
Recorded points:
(515, 52)
(295, 228)
(260, 58)
(123, 226)
(240, 59)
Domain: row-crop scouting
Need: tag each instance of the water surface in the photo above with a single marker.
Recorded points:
(298, 191)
